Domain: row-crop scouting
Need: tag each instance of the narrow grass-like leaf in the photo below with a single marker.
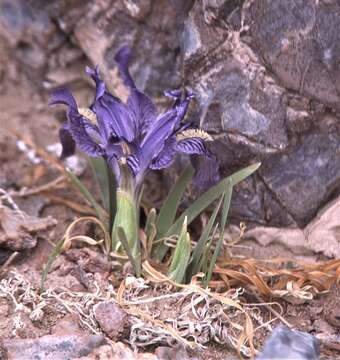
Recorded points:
(150, 225)
(87, 195)
(203, 265)
(210, 196)
(100, 171)
(196, 256)
(181, 256)
(135, 261)
(225, 211)
(170, 206)
(56, 251)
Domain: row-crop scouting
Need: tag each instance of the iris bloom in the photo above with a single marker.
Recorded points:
(132, 137)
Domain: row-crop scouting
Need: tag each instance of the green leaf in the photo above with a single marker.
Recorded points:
(203, 265)
(100, 171)
(181, 256)
(150, 226)
(170, 206)
(135, 261)
(87, 195)
(126, 218)
(209, 197)
(107, 184)
(56, 251)
(225, 211)
(196, 256)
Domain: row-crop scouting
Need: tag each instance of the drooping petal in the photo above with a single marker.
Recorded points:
(63, 96)
(76, 126)
(123, 58)
(67, 142)
(207, 173)
(166, 156)
(77, 129)
(192, 145)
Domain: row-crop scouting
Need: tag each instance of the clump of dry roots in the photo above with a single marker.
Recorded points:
(162, 312)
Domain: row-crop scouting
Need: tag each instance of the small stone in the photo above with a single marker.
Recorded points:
(110, 318)
(333, 317)
(171, 353)
(117, 351)
(285, 344)
(322, 326)
(52, 347)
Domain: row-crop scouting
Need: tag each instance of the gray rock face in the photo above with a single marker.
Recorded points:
(252, 96)
(266, 74)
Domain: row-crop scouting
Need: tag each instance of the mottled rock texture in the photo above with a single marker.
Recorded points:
(266, 74)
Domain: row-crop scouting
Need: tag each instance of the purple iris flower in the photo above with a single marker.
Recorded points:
(131, 135)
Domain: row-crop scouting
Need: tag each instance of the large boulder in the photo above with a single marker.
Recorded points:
(266, 75)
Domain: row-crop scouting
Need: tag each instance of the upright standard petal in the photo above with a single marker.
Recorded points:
(100, 85)
(142, 111)
(156, 137)
(123, 58)
(112, 115)
(114, 118)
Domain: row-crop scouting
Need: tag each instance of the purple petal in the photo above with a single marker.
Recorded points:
(155, 139)
(134, 164)
(142, 110)
(63, 96)
(100, 85)
(207, 173)
(166, 156)
(123, 58)
(114, 118)
(112, 149)
(192, 145)
(77, 128)
(112, 115)
(67, 142)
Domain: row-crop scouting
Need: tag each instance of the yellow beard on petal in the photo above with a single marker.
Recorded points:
(193, 133)
(88, 114)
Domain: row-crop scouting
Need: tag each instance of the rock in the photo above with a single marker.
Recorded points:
(333, 317)
(285, 344)
(90, 260)
(296, 172)
(52, 347)
(306, 241)
(300, 44)
(111, 318)
(18, 229)
(265, 74)
(117, 351)
(174, 353)
(254, 116)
